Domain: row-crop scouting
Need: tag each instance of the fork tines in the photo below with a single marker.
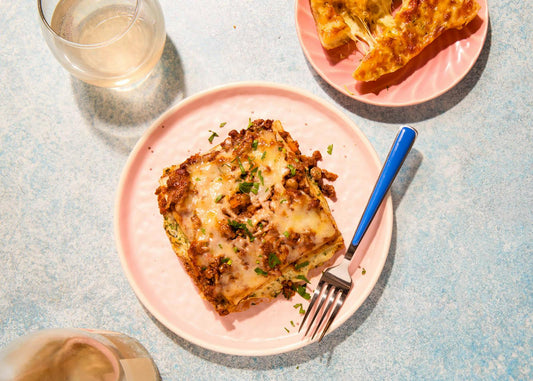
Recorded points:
(323, 313)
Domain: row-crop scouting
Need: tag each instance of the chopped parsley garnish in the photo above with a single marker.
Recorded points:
(286, 329)
(302, 277)
(292, 323)
(245, 187)
(240, 226)
(202, 230)
(255, 188)
(235, 249)
(249, 222)
(250, 124)
(330, 149)
(301, 291)
(299, 305)
(363, 271)
(213, 135)
(273, 260)
(222, 124)
(218, 198)
(292, 169)
(260, 175)
(298, 266)
(220, 245)
(254, 144)
(263, 155)
(282, 201)
(260, 271)
(226, 260)
(286, 234)
(241, 167)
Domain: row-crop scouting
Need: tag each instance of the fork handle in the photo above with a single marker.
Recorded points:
(397, 154)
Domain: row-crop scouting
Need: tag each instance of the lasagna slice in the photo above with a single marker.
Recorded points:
(416, 25)
(248, 219)
(389, 42)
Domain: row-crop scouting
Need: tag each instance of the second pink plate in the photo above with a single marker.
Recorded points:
(439, 67)
(155, 272)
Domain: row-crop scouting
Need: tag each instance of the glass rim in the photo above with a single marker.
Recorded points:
(45, 22)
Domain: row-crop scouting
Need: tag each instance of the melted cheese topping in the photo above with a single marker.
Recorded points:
(214, 180)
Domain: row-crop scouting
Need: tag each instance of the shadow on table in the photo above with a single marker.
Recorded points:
(416, 113)
(120, 117)
(327, 346)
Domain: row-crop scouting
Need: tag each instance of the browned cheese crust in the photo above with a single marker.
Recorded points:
(417, 24)
(390, 41)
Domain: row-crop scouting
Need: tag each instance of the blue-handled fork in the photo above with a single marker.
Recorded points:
(336, 282)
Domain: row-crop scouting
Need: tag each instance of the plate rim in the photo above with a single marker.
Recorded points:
(387, 216)
(362, 99)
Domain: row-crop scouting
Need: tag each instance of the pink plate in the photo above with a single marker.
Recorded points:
(154, 271)
(434, 71)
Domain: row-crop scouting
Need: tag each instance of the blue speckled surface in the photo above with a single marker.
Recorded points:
(455, 298)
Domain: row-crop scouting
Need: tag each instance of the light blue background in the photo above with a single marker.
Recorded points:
(455, 298)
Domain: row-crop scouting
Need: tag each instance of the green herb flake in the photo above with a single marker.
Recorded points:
(286, 234)
(286, 329)
(292, 323)
(235, 249)
(202, 230)
(226, 260)
(245, 187)
(298, 266)
(263, 155)
(213, 135)
(255, 188)
(254, 144)
(260, 175)
(241, 167)
(250, 124)
(302, 277)
(363, 271)
(273, 260)
(330, 149)
(220, 245)
(222, 124)
(301, 291)
(249, 222)
(300, 307)
(260, 271)
(292, 169)
(240, 226)
(218, 198)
